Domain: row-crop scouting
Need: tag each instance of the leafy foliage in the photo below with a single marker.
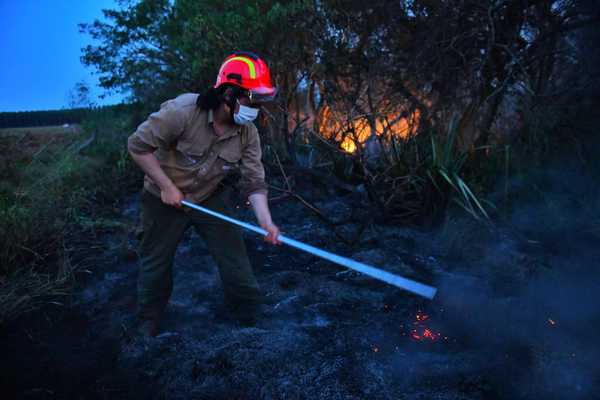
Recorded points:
(372, 79)
(447, 163)
(157, 49)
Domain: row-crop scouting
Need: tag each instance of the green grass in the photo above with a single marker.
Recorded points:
(41, 130)
(52, 192)
(447, 162)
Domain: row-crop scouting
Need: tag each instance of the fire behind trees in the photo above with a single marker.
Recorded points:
(419, 101)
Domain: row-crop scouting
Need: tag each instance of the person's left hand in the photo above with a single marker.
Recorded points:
(272, 233)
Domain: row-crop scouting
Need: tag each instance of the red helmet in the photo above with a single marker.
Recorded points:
(246, 70)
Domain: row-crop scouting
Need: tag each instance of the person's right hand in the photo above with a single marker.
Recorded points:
(172, 196)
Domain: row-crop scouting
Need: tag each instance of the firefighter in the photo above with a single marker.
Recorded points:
(186, 149)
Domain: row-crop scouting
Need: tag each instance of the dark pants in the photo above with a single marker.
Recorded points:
(164, 227)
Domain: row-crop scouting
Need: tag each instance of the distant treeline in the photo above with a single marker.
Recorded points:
(52, 117)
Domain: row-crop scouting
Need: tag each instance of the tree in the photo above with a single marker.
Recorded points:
(80, 96)
(356, 73)
(157, 48)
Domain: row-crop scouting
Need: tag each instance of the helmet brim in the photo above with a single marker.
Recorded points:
(262, 95)
(256, 95)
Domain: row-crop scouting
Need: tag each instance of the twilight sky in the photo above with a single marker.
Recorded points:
(39, 52)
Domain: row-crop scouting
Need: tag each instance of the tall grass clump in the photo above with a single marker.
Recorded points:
(445, 164)
(410, 180)
(47, 200)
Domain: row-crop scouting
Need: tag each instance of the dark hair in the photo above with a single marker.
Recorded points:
(210, 99)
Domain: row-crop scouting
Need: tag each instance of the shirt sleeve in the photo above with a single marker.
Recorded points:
(251, 168)
(160, 130)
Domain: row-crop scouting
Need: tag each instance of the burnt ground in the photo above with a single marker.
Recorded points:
(515, 318)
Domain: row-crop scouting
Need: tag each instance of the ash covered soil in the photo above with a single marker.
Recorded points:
(508, 322)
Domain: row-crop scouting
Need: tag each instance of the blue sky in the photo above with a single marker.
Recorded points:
(40, 47)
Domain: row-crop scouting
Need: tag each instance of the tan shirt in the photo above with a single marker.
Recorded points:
(182, 137)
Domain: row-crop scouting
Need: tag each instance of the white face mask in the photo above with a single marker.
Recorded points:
(245, 115)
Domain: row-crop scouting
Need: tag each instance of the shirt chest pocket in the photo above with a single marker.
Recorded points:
(188, 156)
(227, 161)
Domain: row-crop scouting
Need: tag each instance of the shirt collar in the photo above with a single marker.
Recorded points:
(231, 132)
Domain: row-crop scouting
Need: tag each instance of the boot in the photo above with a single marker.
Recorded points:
(149, 321)
(149, 327)
(247, 314)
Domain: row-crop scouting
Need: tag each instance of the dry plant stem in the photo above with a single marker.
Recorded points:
(290, 192)
(86, 143)
(329, 180)
(324, 141)
(278, 199)
(287, 182)
(267, 113)
(34, 157)
(27, 292)
(314, 210)
(18, 142)
(506, 174)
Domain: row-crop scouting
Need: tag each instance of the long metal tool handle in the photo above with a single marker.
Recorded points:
(396, 280)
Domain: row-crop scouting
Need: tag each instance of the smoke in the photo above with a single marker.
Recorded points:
(529, 304)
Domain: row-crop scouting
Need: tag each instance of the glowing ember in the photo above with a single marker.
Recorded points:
(425, 334)
(551, 321)
(430, 335)
(421, 317)
(421, 332)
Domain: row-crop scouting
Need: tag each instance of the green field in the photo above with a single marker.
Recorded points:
(26, 153)
(55, 182)
(21, 145)
(41, 130)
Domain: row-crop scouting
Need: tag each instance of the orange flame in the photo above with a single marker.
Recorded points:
(350, 132)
